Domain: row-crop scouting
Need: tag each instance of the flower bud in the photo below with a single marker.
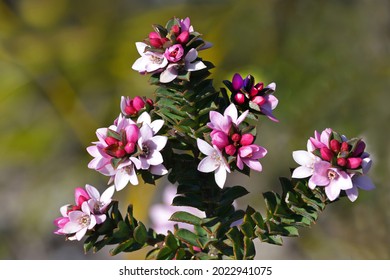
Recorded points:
(253, 92)
(130, 148)
(247, 139)
(259, 100)
(110, 140)
(80, 196)
(326, 154)
(360, 147)
(155, 40)
(341, 162)
(230, 150)
(335, 145)
(183, 37)
(236, 137)
(239, 98)
(354, 162)
(237, 82)
(219, 139)
(175, 29)
(138, 103)
(344, 147)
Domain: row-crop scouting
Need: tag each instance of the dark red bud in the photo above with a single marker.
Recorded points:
(253, 92)
(326, 154)
(259, 86)
(150, 102)
(341, 162)
(239, 98)
(175, 29)
(138, 103)
(360, 147)
(110, 140)
(247, 139)
(236, 137)
(130, 110)
(344, 147)
(335, 145)
(354, 162)
(230, 150)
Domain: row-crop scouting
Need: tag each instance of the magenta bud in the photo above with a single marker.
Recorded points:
(335, 145)
(138, 103)
(130, 110)
(110, 140)
(155, 40)
(175, 29)
(354, 162)
(230, 150)
(253, 92)
(150, 102)
(239, 98)
(130, 148)
(344, 147)
(80, 195)
(326, 154)
(237, 82)
(219, 139)
(247, 139)
(341, 162)
(259, 100)
(259, 86)
(183, 37)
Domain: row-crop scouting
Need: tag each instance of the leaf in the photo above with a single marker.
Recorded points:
(185, 217)
(171, 242)
(249, 249)
(232, 193)
(247, 229)
(236, 238)
(187, 236)
(122, 231)
(140, 233)
(165, 253)
(121, 247)
(187, 201)
(89, 242)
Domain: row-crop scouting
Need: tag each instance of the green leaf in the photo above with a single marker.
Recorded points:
(187, 236)
(122, 231)
(249, 249)
(121, 247)
(89, 242)
(236, 238)
(232, 193)
(185, 217)
(171, 242)
(165, 253)
(247, 229)
(187, 201)
(140, 233)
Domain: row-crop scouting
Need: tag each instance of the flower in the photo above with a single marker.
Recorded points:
(333, 179)
(306, 160)
(213, 162)
(149, 61)
(131, 106)
(249, 155)
(361, 181)
(99, 203)
(224, 122)
(247, 94)
(174, 53)
(79, 222)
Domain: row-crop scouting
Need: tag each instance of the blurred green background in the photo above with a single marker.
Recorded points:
(64, 65)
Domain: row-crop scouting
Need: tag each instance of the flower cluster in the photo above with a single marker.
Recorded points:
(171, 52)
(89, 210)
(128, 146)
(255, 97)
(336, 163)
(231, 142)
(131, 107)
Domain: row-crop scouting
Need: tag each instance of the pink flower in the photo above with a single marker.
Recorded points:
(156, 41)
(213, 162)
(79, 222)
(224, 122)
(60, 222)
(319, 140)
(250, 155)
(333, 179)
(99, 203)
(174, 53)
(131, 106)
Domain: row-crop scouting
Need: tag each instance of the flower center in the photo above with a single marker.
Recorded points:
(216, 157)
(145, 150)
(332, 175)
(85, 220)
(155, 59)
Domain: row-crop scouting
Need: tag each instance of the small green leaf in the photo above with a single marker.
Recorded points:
(122, 231)
(171, 241)
(121, 247)
(231, 194)
(185, 217)
(249, 249)
(187, 236)
(247, 229)
(165, 253)
(140, 233)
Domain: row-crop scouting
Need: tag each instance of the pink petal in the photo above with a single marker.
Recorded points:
(232, 112)
(159, 142)
(253, 164)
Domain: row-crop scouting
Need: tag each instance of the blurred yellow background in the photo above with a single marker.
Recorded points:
(64, 65)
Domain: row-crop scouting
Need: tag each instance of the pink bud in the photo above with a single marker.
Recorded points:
(247, 139)
(335, 145)
(230, 150)
(253, 92)
(341, 162)
(130, 110)
(80, 195)
(130, 148)
(138, 103)
(183, 37)
(239, 98)
(259, 100)
(150, 102)
(119, 153)
(326, 154)
(175, 29)
(219, 139)
(259, 86)
(155, 40)
(354, 162)
(236, 137)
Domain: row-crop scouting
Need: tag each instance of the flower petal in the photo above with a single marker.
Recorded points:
(158, 170)
(220, 176)
(93, 192)
(107, 195)
(363, 182)
(159, 142)
(208, 165)
(253, 164)
(303, 158)
(204, 147)
(352, 194)
(169, 74)
(332, 192)
(302, 172)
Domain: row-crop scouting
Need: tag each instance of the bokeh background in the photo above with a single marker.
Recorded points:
(64, 65)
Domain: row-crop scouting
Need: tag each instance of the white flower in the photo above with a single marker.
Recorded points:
(307, 161)
(149, 61)
(99, 203)
(213, 162)
(80, 222)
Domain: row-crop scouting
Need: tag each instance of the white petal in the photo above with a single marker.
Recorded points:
(107, 194)
(141, 47)
(195, 66)
(168, 75)
(302, 172)
(93, 192)
(231, 111)
(159, 142)
(204, 147)
(155, 158)
(156, 125)
(220, 176)
(144, 118)
(140, 64)
(208, 165)
(191, 55)
(352, 193)
(242, 117)
(121, 179)
(158, 170)
(303, 158)
(332, 192)
(80, 234)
